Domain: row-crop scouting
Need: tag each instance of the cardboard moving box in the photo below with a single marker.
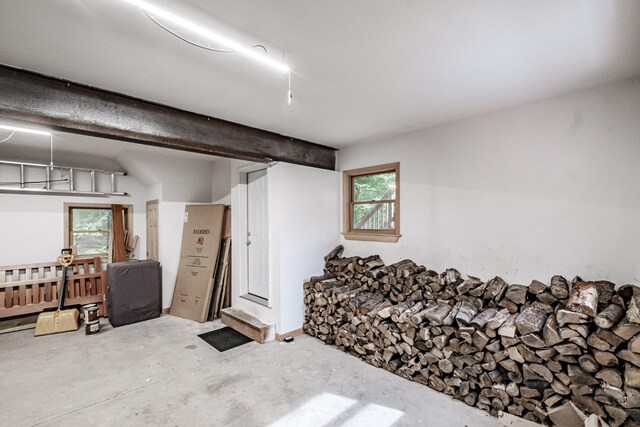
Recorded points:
(201, 237)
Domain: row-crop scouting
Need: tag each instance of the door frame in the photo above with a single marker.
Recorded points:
(243, 226)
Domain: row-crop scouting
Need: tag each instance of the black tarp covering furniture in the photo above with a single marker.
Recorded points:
(134, 291)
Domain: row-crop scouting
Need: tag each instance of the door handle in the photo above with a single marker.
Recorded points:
(248, 242)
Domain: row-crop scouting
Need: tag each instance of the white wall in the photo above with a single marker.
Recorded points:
(182, 179)
(221, 180)
(303, 227)
(171, 220)
(32, 226)
(546, 188)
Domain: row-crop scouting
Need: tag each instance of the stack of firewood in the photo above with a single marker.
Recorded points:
(514, 348)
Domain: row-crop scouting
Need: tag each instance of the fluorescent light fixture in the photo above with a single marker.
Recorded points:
(204, 32)
(25, 130)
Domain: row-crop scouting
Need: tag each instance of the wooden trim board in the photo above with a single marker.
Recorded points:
(294, 333)
(246, 324)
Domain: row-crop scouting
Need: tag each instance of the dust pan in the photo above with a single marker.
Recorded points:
(60, 320)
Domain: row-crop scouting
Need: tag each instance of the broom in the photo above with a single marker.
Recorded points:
(59, 320)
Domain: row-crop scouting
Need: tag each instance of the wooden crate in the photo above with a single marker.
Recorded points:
(29, 289)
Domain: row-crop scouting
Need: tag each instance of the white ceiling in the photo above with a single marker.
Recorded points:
(362, 69)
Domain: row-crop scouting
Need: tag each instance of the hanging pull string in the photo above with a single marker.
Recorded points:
(192, 43)
(51, 142)
(8, 138)
(289, 94)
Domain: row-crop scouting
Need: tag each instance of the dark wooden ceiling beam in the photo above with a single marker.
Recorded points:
(32, 98)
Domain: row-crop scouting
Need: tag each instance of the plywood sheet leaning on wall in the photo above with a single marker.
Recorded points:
(119, 247)
(220, 297)
(201, 236)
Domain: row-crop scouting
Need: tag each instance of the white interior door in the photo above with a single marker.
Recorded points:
(258, 234)
(152, 230)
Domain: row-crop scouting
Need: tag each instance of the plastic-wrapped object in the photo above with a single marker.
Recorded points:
(134, 291)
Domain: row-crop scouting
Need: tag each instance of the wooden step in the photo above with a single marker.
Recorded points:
(246, 324)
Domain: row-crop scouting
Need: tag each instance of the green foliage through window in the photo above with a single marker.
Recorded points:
(376, 187)
(380, 186)
(90, 230)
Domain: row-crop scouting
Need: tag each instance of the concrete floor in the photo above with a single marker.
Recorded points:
(160, 373)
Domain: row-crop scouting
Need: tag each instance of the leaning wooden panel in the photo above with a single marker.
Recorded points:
(29, 289)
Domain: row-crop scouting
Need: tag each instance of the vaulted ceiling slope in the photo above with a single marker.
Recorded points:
(362, 69)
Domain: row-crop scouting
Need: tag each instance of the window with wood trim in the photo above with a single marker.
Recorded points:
(89, 227)
(372, 203)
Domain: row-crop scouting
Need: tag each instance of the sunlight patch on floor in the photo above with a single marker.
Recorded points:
(327, 407)
(374, 415)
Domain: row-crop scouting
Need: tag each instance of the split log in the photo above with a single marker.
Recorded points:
(566, 316)
(396, 309)
(611, 377)
(628, 291)
(614, 340)
(579, 377)
(560, 388)
(606, 291)
(536, 287)
(626, 330)
(511, 306)
(517, 294)
(634, 344)
(588, 363)
(631, 375)
(605, 358)
(406, 315)
(437, 314)
(514, 354)
(550, 331)
(633, 311)
(452, 277)
(530, 320)
(631, 398)
(584, 298)
(629, 356)
(508, 328)
(495, 289)
(616, 414)
(559, 287)
(542, 371)
(547, 299)
(569, 349)
(466, 313)
(497, 320)
(582, 330)
(609, 317)
(467, 285)
(480, 321)
(335, 253)
(534, 341)
(480, 339)
(588, 405)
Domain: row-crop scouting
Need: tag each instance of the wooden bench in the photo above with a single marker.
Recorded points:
(29, 289)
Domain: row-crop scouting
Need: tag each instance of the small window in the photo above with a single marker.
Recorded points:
(372, 203)
(88, 228)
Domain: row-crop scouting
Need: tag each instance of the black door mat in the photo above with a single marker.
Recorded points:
(225, 338)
